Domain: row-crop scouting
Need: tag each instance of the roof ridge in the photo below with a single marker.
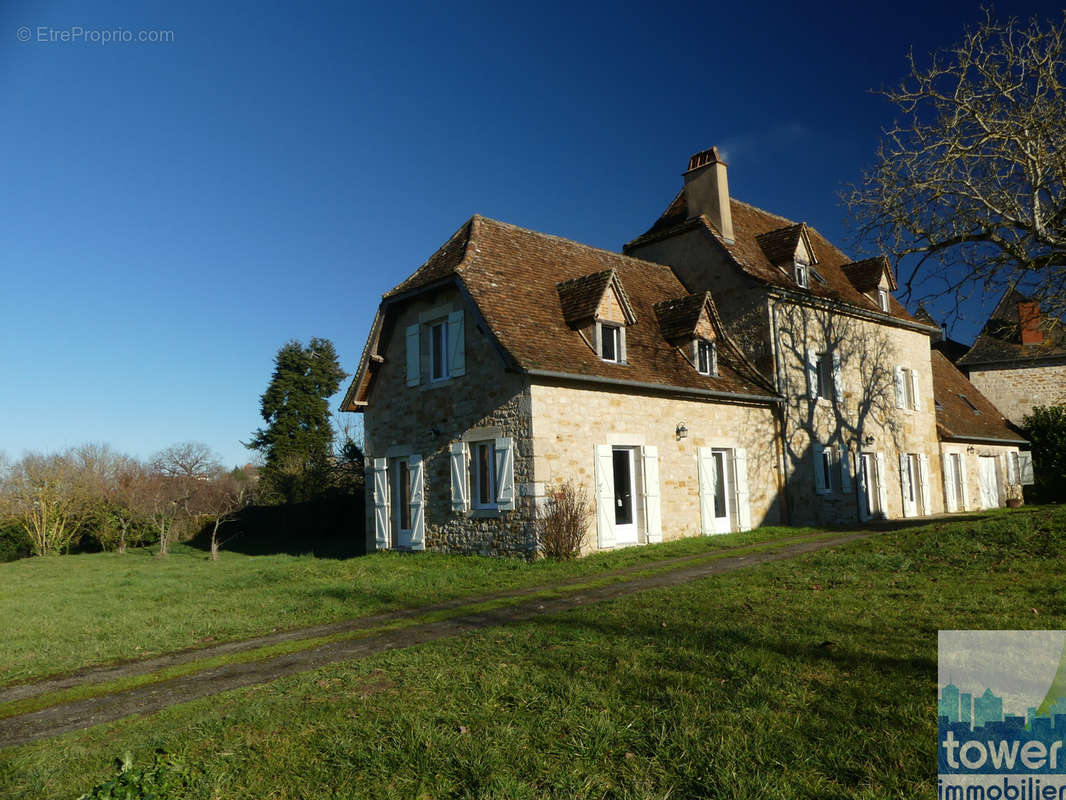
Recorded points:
(582, 245)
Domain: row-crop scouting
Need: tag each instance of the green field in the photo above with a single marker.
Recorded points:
(808, 678)
(61, 613)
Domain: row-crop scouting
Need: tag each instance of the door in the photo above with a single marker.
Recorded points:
(871, 485)
(402, 527)
(986, 474)
(625, 516)
(957, 477)
(723, 489)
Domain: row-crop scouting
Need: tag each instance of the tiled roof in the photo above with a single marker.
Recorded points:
(749, 223)
(866, 275)
(780, 245)
(581, 297)
(1001, 338)
(955, 418)
(512, 274)
(678, 317)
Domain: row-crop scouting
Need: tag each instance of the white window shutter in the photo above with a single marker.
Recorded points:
(950, 501)
(740, 479)
(708, 480)
(414, 367)
(505, 474)
(460, 477)
(418, 503)
(882, 484)
(905, 485)
(819, 473)
(381, 504)
(923, 482)
(1012, 472)
(812, 375)
(622, 359)
(914, 390)
(901, 394)
(964, 482)
(1025, 468)
(605, 495)
(838, 377)
(456, 344)
(653, 520)
(845, 470)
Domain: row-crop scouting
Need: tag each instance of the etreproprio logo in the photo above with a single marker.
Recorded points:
(1001, 732)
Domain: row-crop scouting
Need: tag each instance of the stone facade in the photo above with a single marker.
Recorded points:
(570, 420)
(1016, 388)
(487, 402)
(967, 495)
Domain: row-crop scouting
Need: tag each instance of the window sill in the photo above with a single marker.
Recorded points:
(484, 513)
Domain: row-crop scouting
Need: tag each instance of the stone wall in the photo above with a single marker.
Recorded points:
(868, 353)
(400, 420)
(970, 453)
(1015, 390)
(569, 420)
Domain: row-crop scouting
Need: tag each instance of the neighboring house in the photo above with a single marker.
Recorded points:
(1019, 359)
(979, 449)
(954, 350)
(512, 361)
(732, 369)
(852, 365)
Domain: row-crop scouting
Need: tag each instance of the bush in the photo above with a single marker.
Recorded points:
(14, 543)
(1045, 429)
(562, 521)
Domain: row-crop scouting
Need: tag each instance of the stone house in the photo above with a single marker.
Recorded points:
(512, 361)
(731, 369)
(1018, 360)
(980, 452)
(852, 366)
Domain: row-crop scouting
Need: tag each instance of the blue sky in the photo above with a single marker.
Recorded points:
(173, 212)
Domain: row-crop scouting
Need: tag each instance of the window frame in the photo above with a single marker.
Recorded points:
(616, 340)
(882, 300)
(476, 475)
(802, 274)
(827, 468)
(706, 346)
(442, 362)
(824, 372)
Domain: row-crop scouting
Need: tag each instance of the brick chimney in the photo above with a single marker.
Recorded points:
(707, 191)
(1029, 321)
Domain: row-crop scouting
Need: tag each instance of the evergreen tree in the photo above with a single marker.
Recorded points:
(298, 439)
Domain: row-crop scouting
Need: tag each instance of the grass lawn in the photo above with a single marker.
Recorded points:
(58, 614)
(811, 678)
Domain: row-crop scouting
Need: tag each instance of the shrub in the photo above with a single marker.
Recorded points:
(1045, 429)
(562, 521)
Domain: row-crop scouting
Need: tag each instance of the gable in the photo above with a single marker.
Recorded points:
(610, 308)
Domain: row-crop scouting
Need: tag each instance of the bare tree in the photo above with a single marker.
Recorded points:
(187, 460)
(46, 494)
(222, 498)
(968, 188)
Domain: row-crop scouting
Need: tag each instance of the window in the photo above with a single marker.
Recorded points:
(610, 342)
(802, 277)
(825, 464)
(973, 408)
(882, 300)
(401, 495)
(825, 374)
(706, 357)
(483, 477)
(438, 352)
(907, 388)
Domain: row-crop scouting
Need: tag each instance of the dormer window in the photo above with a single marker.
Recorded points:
(802, 275)
(706, 357)
(611, 342)
(882, 300)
